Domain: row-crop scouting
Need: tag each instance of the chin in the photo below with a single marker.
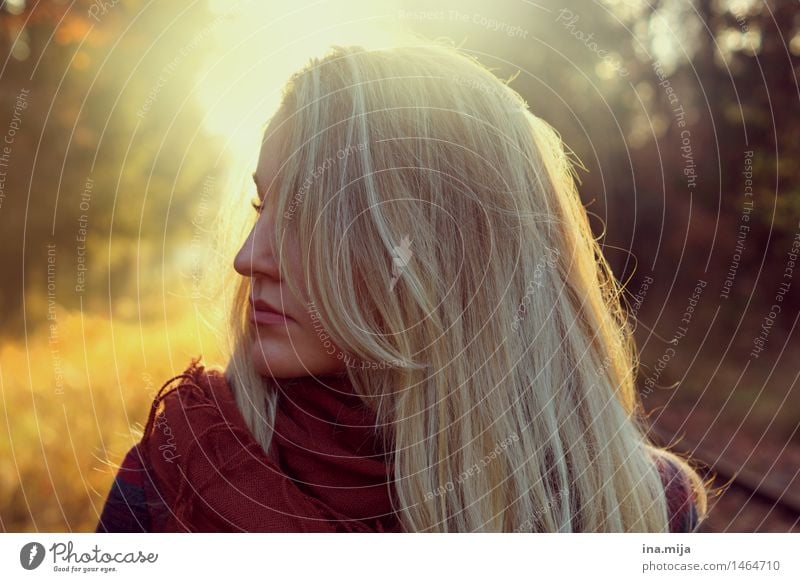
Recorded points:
(284, 362)
(274, 363)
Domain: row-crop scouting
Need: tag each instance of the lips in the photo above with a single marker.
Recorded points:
(262, 313)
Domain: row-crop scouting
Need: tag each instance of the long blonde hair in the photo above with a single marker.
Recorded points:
(501, 364)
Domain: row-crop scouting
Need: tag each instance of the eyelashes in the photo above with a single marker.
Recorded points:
(257, 205)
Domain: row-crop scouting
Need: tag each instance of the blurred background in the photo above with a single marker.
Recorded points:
(127, 126)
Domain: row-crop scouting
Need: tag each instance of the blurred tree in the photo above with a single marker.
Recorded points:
(110, 143)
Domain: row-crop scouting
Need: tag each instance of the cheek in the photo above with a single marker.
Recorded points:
(292, 257)
(296, 351)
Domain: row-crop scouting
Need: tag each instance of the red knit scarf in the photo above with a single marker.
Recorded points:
(326, 471)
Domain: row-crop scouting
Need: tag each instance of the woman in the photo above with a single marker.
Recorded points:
(427, 336)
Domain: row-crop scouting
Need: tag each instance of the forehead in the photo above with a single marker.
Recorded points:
(270, 154)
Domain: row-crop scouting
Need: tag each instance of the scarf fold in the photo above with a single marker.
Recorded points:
(329, 472)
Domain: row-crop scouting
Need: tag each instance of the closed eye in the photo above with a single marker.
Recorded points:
(257, 204)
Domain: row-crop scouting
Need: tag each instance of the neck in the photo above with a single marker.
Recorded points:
(327, 441)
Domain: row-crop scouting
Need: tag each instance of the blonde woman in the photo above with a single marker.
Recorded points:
(427, 337)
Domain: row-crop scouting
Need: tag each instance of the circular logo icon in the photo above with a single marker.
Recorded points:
(31, 555)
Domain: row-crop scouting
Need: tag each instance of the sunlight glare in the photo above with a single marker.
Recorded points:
(261, 44)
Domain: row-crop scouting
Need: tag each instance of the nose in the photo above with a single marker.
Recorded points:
(256, 257)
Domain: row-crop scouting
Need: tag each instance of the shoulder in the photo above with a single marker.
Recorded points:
(187, 408)
(194, 430)
(199, 391)
(680, 495)
(127, 506)
(144, 486)
(202, 380)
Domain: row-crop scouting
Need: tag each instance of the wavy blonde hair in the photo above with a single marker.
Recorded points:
(508, 402)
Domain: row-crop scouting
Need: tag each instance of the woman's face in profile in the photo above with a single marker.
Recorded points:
(289, 341)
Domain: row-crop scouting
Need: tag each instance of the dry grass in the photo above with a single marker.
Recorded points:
(62, 437)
